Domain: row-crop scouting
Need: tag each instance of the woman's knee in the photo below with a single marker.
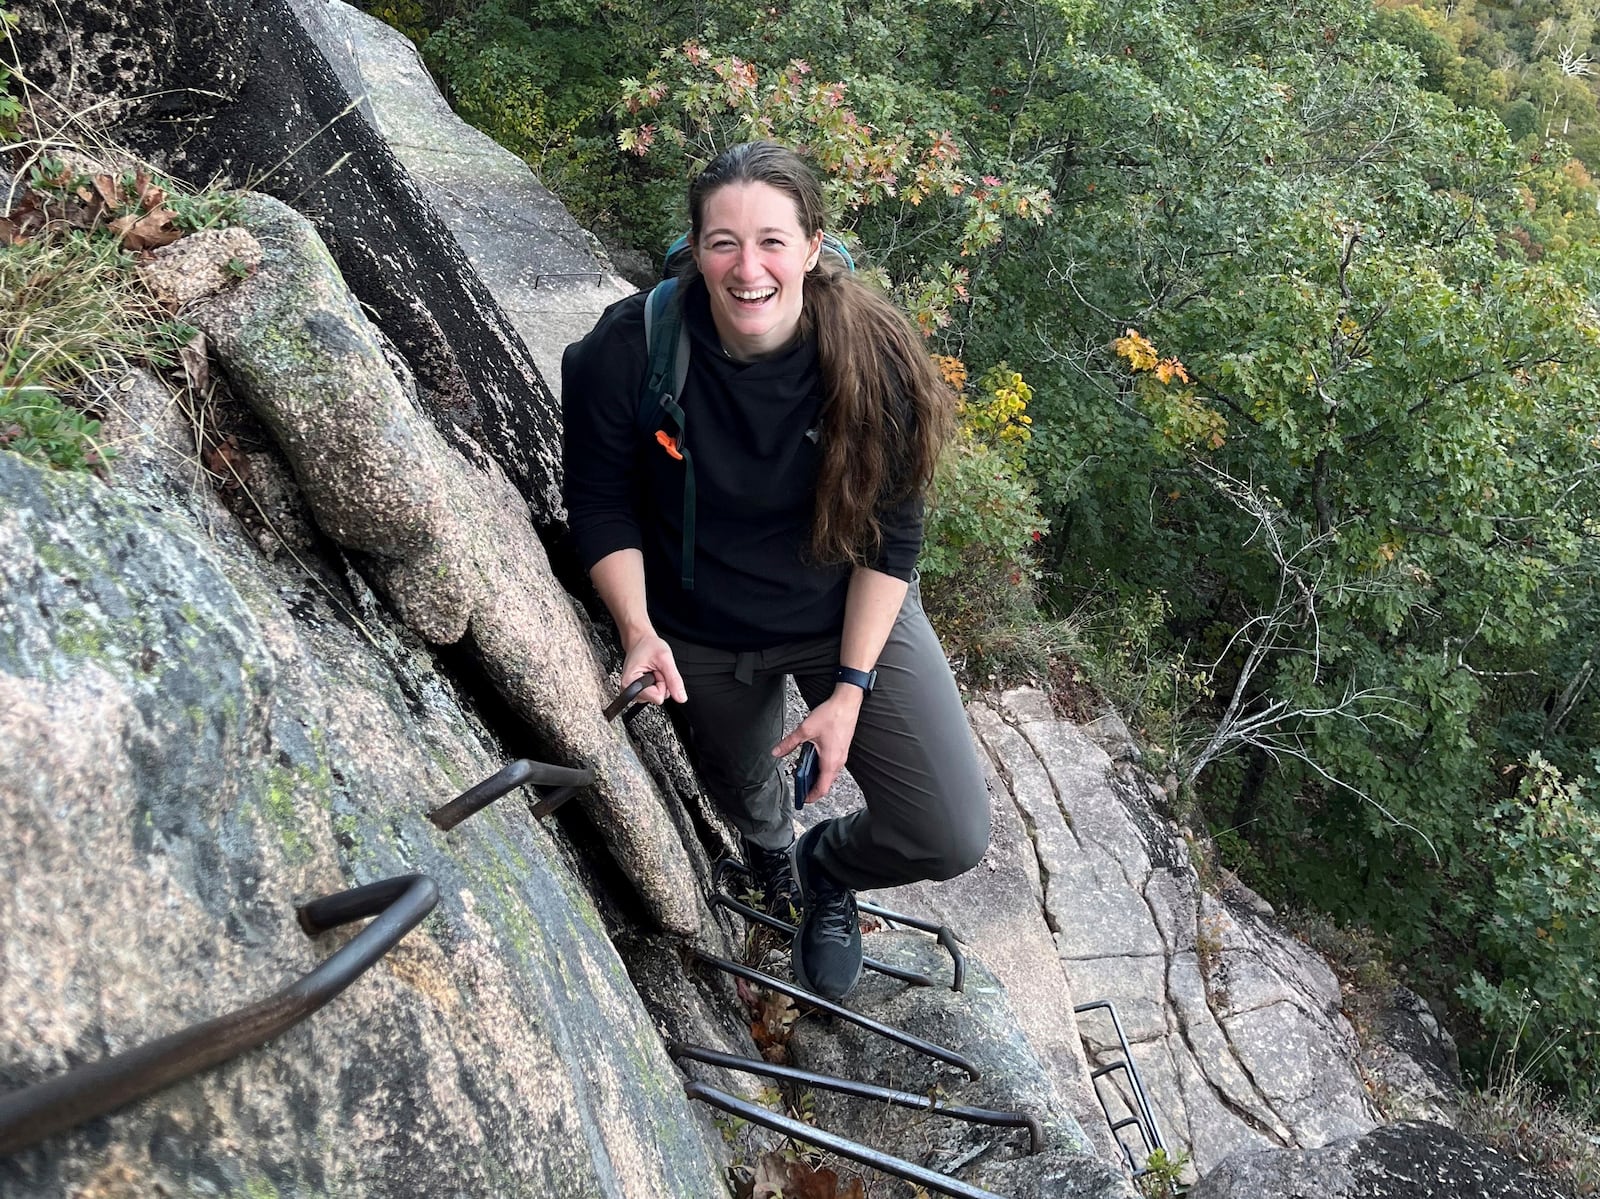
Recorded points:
(957, 845)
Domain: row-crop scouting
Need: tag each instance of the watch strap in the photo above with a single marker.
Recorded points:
(865, 679)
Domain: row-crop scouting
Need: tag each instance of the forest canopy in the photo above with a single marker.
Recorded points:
(1275, 329)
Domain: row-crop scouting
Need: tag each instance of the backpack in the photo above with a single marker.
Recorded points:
(667, 346)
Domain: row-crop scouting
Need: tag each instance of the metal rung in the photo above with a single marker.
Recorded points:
(1144, 1116)
(680, 1052)
(474, 799)
(566, 782)
(896, 1035)
(833, 1143)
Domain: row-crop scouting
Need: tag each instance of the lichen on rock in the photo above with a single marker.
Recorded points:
(450, 542)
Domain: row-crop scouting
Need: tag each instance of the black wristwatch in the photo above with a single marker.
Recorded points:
(865, 679)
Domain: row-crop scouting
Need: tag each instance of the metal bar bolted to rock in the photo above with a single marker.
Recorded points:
(680, 1053)
(567, 781)
(844, 1147)
(1144, 1116)
(900, 1037)
(399, 905)
(946, 938)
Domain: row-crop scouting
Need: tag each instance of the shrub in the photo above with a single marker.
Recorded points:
(978, 570)
(1541, 928)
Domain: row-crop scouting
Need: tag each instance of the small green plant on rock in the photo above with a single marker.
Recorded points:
(1163, 1176)
(1360, 959)
(75, 317)
(10, 107)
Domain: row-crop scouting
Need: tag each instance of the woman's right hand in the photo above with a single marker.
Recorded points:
(619, 578)
(648, 653)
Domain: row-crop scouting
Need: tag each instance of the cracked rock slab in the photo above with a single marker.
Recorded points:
(1398, 1161)
(1236, 1026)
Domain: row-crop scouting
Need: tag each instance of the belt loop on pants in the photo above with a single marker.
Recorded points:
(744, 667)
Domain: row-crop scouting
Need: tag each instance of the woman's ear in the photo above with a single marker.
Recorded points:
(815, 255)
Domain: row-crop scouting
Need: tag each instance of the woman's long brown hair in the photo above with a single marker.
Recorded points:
(886, 413)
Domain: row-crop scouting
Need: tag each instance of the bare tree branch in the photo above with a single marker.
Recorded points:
(1288, 624)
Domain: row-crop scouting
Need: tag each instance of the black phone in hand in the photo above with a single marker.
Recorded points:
(805, 774)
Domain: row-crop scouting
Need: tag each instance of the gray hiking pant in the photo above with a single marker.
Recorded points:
(927, 813)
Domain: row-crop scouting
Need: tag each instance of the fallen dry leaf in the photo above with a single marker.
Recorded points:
(196, 363)
(228, 462)
(777, 1177)
(154, 228)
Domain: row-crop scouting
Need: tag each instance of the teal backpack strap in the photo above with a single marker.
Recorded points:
(667, 346)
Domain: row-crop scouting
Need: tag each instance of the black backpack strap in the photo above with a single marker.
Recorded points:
(667, 367)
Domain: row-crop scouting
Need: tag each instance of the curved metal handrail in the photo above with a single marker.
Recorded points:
(474, 799)
(942, 933)
(721, 899)
(680, 1052)
(59, 1103)
(629, 697)
(566, 780)
(856, 1152)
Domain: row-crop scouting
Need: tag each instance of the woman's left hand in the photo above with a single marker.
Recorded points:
(830, 727)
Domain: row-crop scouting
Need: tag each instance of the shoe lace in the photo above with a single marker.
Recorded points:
(836, 918)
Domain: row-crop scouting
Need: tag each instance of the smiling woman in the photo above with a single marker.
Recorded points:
(753, 256)
(814, 419)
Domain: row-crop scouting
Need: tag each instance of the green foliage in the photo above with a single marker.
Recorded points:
(982, 530)
(1540, 931)
(977, 564)
(1532, 63)
(36, 424)
(540, 78)
(72, 312)
(1163, 1174)
(408, 16)
(209, 209)
(10, 107)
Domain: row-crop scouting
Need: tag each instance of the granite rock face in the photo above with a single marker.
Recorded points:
(449, 541)
(237, 90)
(1235, 1027)
(1410, 1160)
(546, 272)
(192, 742)
(980, 1024)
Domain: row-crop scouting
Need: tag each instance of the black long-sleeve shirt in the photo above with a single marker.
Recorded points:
(752, 431)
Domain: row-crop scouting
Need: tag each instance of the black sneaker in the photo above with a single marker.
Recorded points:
(772, 873)
(827, 949)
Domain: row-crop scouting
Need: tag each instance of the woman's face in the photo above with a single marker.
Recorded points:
(754, 256)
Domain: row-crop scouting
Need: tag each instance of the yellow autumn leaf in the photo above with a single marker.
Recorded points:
(1137, 349)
